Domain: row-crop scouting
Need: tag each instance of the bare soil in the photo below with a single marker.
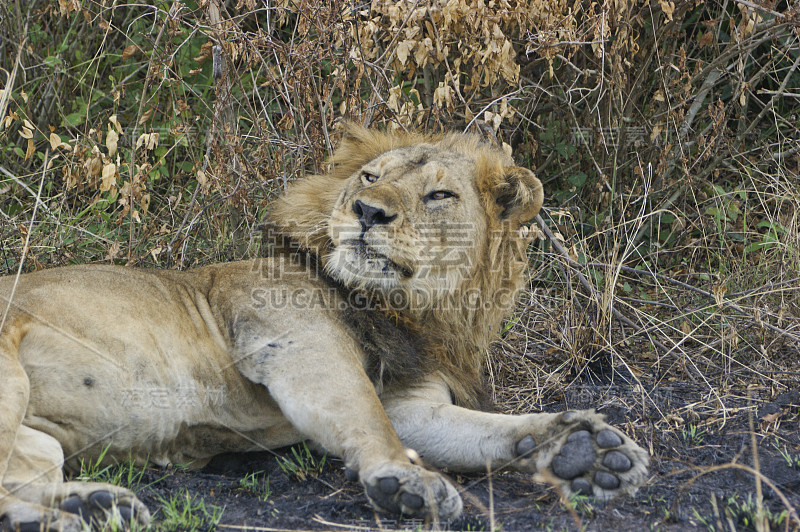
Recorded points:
(700, 473)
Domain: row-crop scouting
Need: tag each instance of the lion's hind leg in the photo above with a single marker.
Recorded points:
(34, 476)
(18, 468)
(33, 495)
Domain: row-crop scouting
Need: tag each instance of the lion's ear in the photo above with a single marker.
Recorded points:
(519, 195)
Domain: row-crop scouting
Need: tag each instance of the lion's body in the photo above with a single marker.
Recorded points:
(173, 360)
(365, 330)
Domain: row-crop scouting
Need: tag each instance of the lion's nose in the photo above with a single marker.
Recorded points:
(369, 215)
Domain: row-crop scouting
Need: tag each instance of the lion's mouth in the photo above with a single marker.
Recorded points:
(367, 254)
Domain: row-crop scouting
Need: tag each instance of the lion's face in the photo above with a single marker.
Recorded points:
(422, 215)
(409, 218)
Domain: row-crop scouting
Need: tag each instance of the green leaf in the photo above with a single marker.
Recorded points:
(627, 288)
(507, 326)
(73, 119)
(565, 150)
(578, 179)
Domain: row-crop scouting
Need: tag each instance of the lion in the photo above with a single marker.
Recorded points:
(364, 331)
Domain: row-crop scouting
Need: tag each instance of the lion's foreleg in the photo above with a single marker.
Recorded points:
(576, 451)
(456, 438)
(320, 385)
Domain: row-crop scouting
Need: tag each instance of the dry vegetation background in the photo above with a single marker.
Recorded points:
(666, 133)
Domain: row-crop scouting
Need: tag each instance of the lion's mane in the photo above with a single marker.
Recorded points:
(456, 331)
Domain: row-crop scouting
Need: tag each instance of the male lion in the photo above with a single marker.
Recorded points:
(364, 331)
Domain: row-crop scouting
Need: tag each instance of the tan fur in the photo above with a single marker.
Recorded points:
(176, 367)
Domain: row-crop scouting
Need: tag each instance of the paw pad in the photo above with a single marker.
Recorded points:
(606, 480)
(411, 490)
(576, 457)
(593, 458)
(96, 507)
(581, 486)
(525, 446)
(607, 438)
(351, 474)
(73, 505)
(617, 461)
(411, 501)
(7, 526)
(389, 485)
(102, 500)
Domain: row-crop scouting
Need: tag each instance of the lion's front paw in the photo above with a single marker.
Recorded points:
(585, 455)
(411, 490)
(69, 505)
(22, 516)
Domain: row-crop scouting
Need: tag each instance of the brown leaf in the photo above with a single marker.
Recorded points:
(145, 203)
(55, 141)
(93, 167)
(111, 141)
(109, 177)
(113, 251)
(707, 39)
(129, 51)
(668, 8)
(115, 122)
(202, 180)
(31, 150)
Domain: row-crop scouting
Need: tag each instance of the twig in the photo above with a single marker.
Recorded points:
(764, 288)
(760, 520)
(30, 191)
(743, 135)
(488, 105)
(708, 83)
(760, 8)
(791, 513)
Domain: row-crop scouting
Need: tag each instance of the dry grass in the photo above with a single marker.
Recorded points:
(671, 158)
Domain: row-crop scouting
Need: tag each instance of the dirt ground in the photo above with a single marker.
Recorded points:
(700, 473)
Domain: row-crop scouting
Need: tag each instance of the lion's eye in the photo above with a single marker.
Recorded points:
(368, 177)
(438, 195)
